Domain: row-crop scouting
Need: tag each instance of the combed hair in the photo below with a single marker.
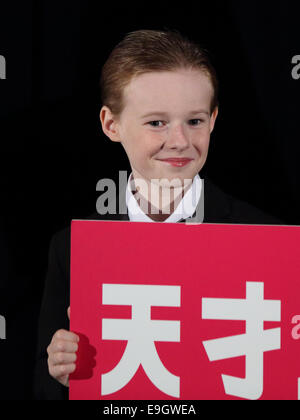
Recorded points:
(145, 51)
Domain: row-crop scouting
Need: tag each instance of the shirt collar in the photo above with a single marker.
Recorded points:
(185, 209)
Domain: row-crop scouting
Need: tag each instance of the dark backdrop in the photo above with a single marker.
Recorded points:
(53, 151)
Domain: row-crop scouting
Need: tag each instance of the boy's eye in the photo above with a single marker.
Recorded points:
(195, 121)
(154, 123)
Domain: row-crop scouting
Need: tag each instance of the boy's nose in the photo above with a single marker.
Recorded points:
(177, 138)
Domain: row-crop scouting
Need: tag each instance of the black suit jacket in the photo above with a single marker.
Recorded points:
(219, 207)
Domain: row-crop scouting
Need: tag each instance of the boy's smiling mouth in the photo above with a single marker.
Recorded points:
(177, 162)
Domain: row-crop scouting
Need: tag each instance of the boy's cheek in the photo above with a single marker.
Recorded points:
(204, 141)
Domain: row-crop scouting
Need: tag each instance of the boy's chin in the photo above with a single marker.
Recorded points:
(175, 177)
(182, 174)
(174, 180)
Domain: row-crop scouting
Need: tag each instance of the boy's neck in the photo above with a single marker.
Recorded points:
(157, 202)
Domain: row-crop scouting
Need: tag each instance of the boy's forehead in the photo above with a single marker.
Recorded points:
(186, 88)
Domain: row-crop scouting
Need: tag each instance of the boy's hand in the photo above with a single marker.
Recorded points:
(62, 354)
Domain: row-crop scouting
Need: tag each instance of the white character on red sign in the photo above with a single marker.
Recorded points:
(141, 333)
(255, 311)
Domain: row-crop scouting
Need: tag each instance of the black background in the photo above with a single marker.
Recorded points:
(53, 151)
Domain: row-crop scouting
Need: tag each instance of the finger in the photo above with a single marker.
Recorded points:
(69, 311)
(65, 336)
(62, 358)
(58, 371)
(63, 346)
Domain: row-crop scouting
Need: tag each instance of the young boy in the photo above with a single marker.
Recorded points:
(159, 96)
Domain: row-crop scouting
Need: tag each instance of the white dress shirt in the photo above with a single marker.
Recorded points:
(185, 209)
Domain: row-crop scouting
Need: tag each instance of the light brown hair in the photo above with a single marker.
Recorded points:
(144, 51)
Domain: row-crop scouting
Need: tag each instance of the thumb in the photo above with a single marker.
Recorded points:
(68, 311)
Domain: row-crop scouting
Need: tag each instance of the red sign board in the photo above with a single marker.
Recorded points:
(189, 312)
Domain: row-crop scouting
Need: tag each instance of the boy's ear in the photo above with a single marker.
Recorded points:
(109, 124)
(213, 118)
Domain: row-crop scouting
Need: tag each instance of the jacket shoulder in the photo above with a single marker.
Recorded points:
(222, 207)
(60, 245)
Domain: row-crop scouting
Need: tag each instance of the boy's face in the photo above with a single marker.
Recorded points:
(166, 116)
